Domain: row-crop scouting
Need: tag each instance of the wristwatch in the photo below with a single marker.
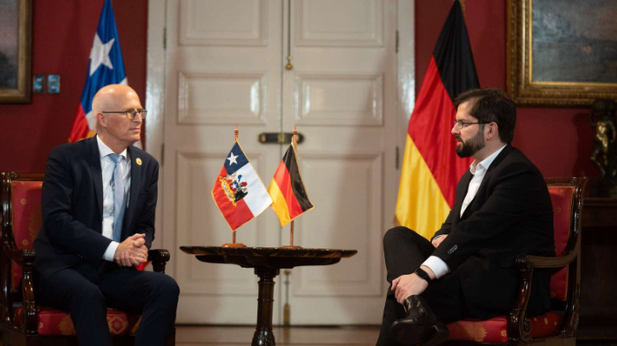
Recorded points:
(423, 275)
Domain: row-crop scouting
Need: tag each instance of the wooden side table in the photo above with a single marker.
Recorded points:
(598, 310)
(267, 263)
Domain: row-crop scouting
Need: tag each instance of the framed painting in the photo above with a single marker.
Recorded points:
(561, 52)
(15, 47)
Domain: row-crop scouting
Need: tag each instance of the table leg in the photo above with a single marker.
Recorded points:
(263, 334)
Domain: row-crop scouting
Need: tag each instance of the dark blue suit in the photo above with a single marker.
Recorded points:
(71, 272)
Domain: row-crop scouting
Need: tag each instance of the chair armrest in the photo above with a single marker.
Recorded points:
(519, 328)
(159, 258)
(23, 257)
(551, 262)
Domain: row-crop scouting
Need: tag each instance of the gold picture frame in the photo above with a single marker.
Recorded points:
(15, 51)
(561, 52)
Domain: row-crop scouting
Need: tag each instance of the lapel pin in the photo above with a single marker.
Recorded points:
(138, 161)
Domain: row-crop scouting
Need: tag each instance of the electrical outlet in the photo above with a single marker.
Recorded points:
(53, 84)
(38, 84)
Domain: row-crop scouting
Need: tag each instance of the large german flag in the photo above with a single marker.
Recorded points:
(289, 198)
(431, 167)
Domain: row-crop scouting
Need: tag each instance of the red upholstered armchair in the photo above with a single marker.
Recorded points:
(23, 321)
(556, 327)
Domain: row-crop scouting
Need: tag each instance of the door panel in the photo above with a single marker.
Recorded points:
(235, 23)
(222, 98)
(337, 99)
(347, 178)
(341, 23)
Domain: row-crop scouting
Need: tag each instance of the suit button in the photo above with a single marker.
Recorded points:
(452, 249)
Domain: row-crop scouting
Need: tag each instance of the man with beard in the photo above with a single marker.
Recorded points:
(502, 209)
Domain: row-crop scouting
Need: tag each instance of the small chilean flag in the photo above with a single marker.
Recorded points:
(238, 191)
(289, 198)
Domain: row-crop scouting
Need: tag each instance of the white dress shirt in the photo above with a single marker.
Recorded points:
(107, 170)
(478, 170)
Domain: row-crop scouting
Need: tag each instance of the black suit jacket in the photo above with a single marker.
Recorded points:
(510, 215)
(72, 205)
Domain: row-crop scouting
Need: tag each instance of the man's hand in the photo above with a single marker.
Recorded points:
(411, 284)
(407, 285)
(438, 240)
(132, 251)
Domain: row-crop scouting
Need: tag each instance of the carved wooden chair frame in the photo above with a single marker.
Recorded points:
(518, 323)
(25, 333)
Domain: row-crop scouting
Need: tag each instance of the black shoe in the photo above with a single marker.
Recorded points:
(420, 326)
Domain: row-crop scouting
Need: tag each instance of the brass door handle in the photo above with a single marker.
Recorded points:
(279, 138)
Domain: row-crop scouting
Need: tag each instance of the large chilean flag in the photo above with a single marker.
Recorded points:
(105, 67)
(431, 167)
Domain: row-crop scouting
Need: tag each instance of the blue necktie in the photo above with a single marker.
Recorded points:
(117, 184)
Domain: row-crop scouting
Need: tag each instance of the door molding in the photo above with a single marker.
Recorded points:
(406, 72)
(155, 104)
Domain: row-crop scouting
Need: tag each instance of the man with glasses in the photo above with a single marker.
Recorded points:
(502, 210)
(98, 202)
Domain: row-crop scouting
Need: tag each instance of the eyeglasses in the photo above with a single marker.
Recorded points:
(459, 124)
(131, 113)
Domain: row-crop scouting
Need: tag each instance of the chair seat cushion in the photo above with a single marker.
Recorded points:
(57, 322)
(495, 330)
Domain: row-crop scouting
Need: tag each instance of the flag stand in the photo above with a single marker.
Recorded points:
(291, 239)
(233, 242)
(233, 236)
(291, 230)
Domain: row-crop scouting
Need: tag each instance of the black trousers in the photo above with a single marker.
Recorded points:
(86, 292)
(404, 252)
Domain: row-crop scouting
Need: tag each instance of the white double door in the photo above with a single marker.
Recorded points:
(225, 65)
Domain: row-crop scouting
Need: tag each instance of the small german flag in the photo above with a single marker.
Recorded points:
(289, 198)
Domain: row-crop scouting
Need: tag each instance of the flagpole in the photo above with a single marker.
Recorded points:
(291, 236)
(291, 230)
(233, 232)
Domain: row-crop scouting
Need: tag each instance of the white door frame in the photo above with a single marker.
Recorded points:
(155, 104)
(155, 94)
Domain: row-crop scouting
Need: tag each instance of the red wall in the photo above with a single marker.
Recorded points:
(62, 34)
(558, 140)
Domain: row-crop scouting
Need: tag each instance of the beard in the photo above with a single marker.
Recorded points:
(470, 147)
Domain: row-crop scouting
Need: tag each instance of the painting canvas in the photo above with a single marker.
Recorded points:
(568, 46)
(562, 52)
(15, 28)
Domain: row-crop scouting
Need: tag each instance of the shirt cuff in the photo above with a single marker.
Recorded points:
(111, 251)
(437, 265)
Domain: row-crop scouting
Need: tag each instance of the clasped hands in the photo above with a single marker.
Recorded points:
(132, 251)
(411, 284)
